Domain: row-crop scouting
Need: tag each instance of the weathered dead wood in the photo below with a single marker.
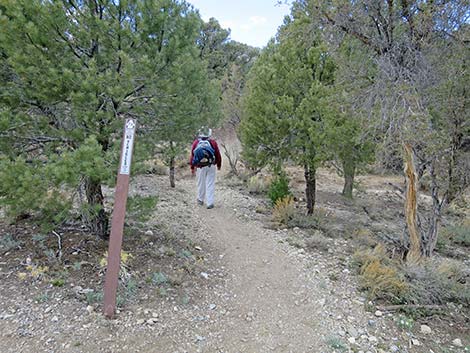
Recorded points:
(411, 205)
(232, 160)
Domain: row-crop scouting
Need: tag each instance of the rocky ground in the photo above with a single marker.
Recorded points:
(220, 280)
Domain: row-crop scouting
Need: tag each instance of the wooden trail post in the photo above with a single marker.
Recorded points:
(117, 222)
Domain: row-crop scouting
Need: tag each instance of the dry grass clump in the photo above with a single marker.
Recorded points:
(431, 282)
(438, 282)
(378, 274)
(304, 221)
(317, 241)
(258, 184)
(284, 210)
(155, 166)
(364, 237)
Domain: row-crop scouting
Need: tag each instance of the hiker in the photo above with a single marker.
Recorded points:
(205, 156)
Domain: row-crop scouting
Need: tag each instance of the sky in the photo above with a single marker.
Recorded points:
(253, 22)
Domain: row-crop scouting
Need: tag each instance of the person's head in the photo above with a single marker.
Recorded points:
(204, 133)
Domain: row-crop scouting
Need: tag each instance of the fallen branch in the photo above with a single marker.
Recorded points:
(396, 187)
(59, 245)
(410, 306)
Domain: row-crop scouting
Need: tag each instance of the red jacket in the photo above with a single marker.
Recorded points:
(215, 146)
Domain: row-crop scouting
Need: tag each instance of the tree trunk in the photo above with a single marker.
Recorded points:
(349, 169)
(411, 206)
(310, 189)
(232, 159)
(453, 187)
(172, 171)
(172, 164)
(98, 218)
(435, 218)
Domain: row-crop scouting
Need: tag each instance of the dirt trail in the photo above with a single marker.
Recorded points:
(275, 298)
(251, 292)
(271, 299)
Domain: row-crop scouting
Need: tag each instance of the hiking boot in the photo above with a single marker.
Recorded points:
(200, 203)
(210, 206)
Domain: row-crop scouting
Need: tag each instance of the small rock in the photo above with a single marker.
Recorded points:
(457, 342)
(205, 275)
(55, 319)
(371, 323)
(154, 314)
(200, 338)
(352, 340)
(149, 232)
(425, 329)
(353, 332)
(372, 339)
(90, 309)
(394, 349)
(78, 289)
(152, 320)
(140, 322)
(198, 248)
(415, 342)
(378, 313)
(212, 306)
(48, 310)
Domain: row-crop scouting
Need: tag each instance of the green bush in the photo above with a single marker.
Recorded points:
(304, 221)
(438, 282)
(336, 343)
(7, 243)
(459, 234)
(94, 297)
(159, 278)
(140, 208)
(279, 188)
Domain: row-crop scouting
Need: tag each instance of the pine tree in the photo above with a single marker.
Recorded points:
(71, 73)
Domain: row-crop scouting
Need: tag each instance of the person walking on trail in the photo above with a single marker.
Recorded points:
(205, 156)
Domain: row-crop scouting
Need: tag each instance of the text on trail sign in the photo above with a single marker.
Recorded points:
(127, 146)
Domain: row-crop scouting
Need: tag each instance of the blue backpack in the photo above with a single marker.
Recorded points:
(203, 154)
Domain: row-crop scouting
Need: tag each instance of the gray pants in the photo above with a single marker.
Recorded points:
(206, 184)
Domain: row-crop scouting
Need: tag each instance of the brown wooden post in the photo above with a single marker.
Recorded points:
(117, 222)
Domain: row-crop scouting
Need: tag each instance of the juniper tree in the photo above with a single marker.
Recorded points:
(284, 109)
(410, 48)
